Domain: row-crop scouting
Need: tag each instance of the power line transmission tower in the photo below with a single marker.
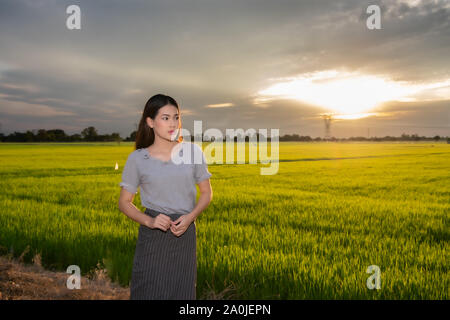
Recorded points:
(327, 118)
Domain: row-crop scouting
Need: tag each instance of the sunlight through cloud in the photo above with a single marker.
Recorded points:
(349, 93)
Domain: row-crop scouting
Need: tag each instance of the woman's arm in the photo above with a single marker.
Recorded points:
(204, 199)
(129, 209)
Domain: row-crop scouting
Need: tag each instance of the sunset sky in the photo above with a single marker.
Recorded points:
(259, 64)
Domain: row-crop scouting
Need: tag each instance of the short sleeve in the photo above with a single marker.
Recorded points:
(201, 169)
(130, 175)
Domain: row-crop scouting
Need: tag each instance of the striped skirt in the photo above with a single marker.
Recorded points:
(164, 266)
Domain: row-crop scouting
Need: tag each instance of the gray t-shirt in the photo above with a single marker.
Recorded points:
(167, 187)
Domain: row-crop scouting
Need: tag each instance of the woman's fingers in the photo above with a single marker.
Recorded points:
(163, 226)
(164, 221)
(173, 229)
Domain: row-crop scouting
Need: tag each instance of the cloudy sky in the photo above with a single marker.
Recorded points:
(258, 64)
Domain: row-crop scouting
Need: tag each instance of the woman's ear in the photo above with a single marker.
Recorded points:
(149, 122)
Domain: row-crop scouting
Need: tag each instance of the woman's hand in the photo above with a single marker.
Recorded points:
(161, 221)
(184, 221)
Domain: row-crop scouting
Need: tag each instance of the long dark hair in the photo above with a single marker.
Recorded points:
(145, 135)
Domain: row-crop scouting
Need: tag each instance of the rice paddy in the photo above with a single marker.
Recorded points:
(308, 232)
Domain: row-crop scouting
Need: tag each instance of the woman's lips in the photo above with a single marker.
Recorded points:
(172, 131)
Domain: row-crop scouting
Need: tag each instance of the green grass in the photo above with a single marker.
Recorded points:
(308, 232)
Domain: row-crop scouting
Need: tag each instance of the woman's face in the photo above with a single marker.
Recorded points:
(167, 122)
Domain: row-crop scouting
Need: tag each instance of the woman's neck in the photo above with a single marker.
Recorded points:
(163, 145)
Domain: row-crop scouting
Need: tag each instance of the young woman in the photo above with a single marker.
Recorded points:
(165, 260)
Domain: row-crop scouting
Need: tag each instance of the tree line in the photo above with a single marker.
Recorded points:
(90, 134)
(403, 137)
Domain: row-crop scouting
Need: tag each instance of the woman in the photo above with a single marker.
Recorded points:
(166, 169)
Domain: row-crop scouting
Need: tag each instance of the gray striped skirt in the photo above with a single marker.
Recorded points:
(164, 266)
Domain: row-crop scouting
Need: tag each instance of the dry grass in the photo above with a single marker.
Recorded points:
(230, 292)
(32, 282)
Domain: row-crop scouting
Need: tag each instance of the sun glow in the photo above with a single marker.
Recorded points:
(342, 92)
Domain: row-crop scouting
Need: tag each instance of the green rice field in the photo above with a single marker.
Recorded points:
(308, 232)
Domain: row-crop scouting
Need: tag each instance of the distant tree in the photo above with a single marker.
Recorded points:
(116, 137)
(29, 136)
(89, 134)
(51, 136)
(57, 135)
(305, 138)
(76, 137)
(133, 136)
(42, 135)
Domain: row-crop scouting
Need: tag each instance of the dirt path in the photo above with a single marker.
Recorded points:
(32, 282)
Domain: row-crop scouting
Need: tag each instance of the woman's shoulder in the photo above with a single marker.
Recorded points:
(138, 153)
(192, 147)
